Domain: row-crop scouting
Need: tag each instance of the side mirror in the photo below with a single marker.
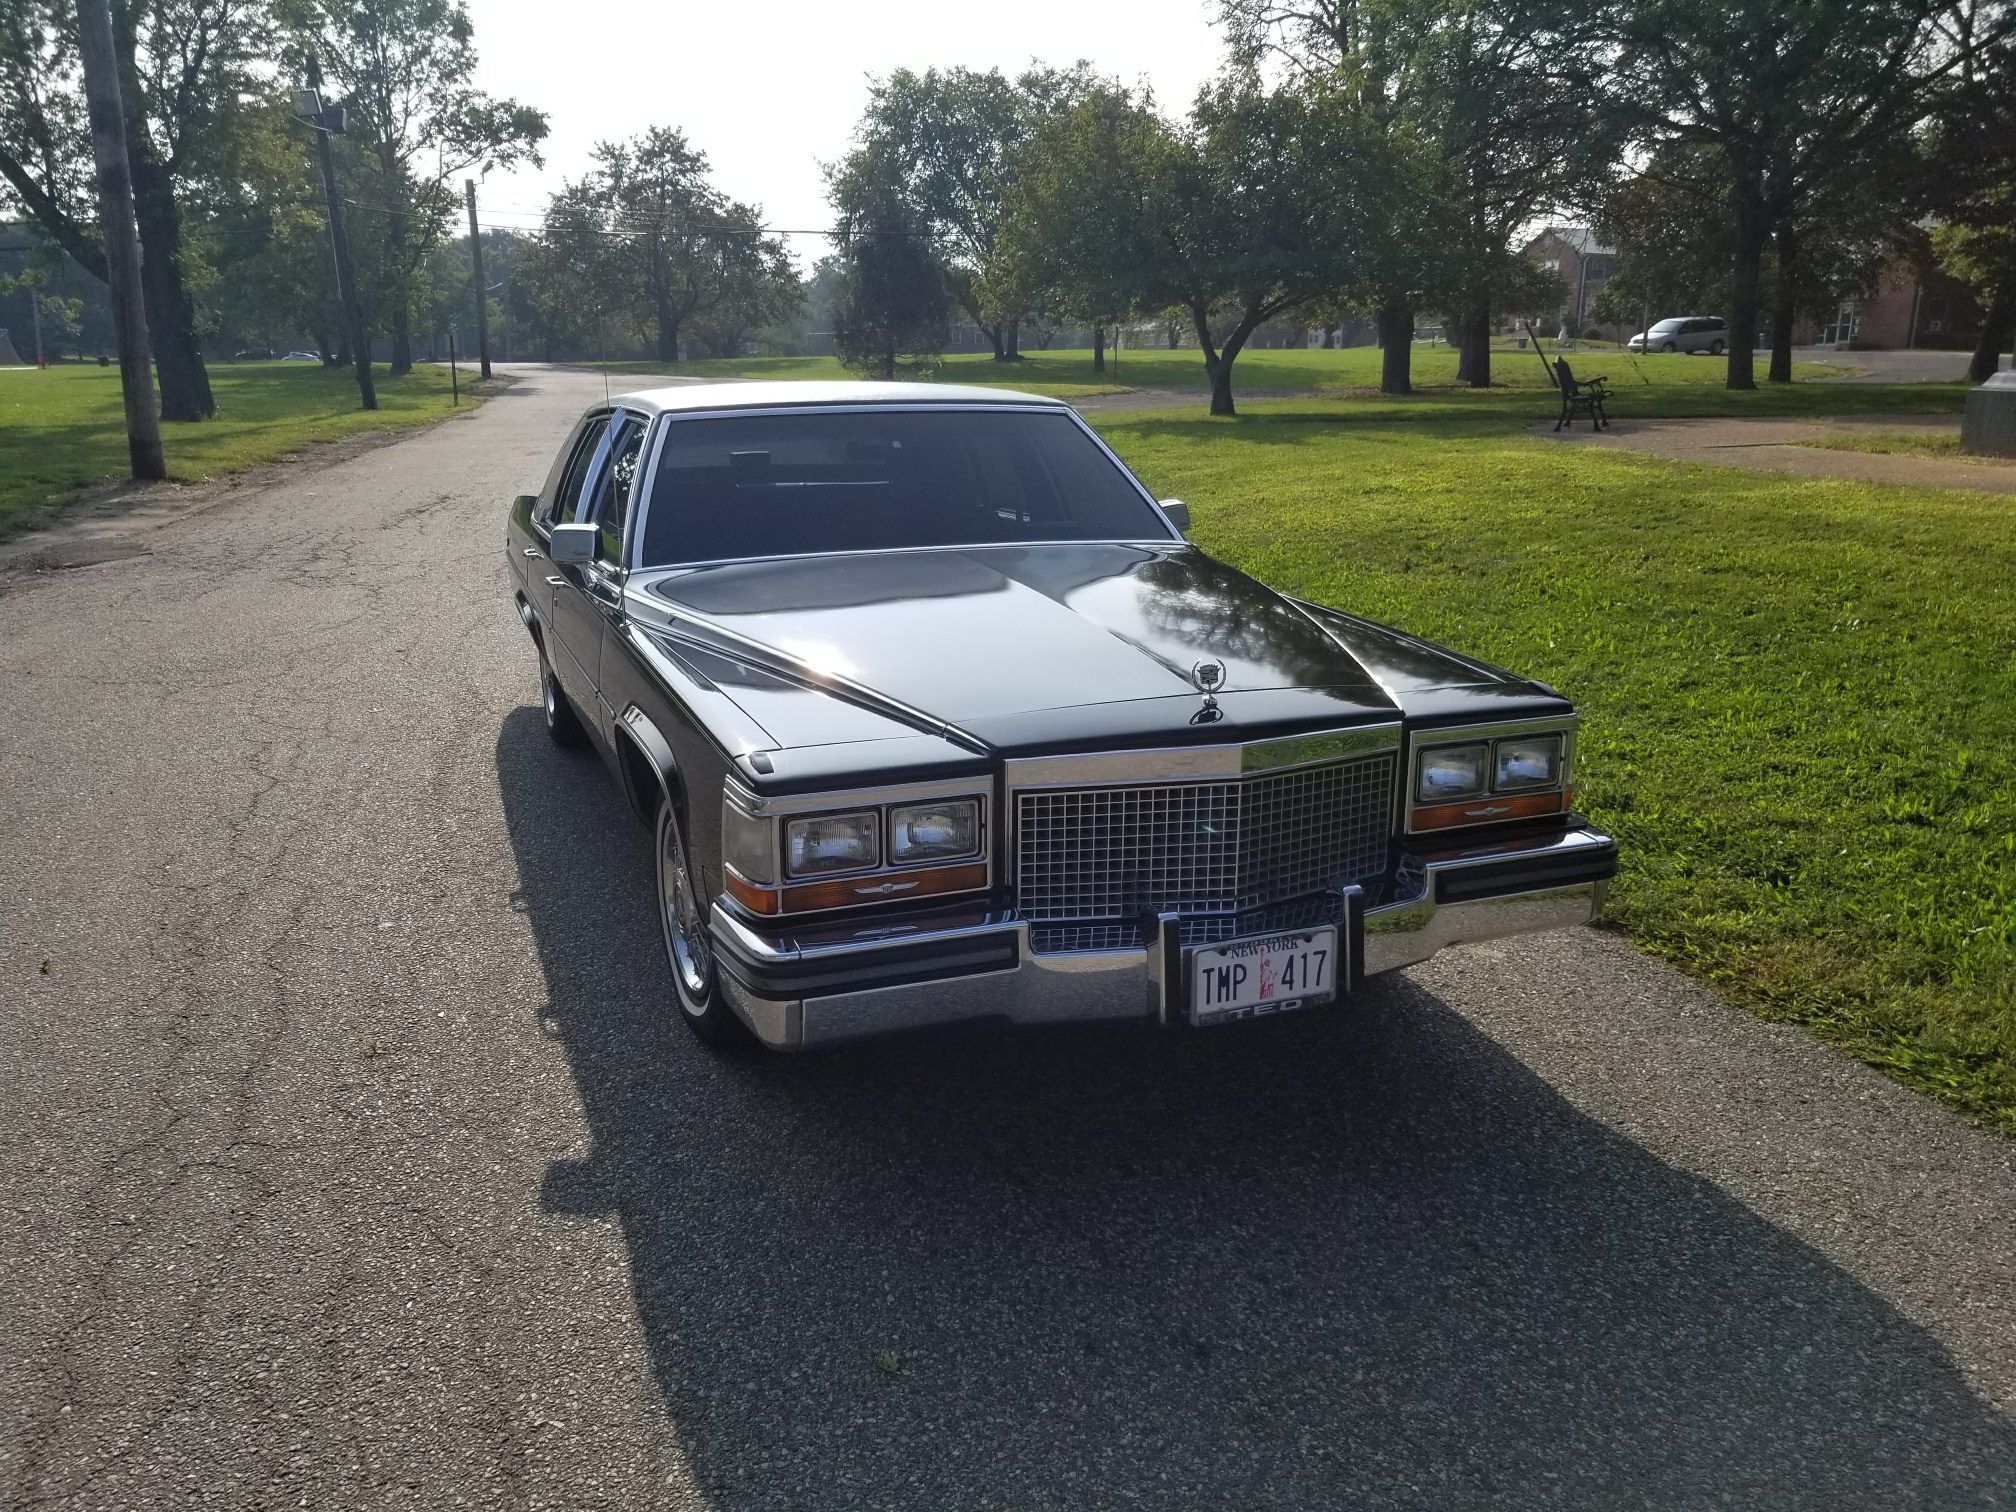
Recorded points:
(573, 543)
(526, 502)
(1178, 513)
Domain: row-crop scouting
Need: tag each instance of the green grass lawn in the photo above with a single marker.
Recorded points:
(1068, 374)
(64, 429)
(1799, 695)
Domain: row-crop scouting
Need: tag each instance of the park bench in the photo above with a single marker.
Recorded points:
(1585, 396)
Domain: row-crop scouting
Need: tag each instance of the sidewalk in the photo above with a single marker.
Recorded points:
(1770, 446)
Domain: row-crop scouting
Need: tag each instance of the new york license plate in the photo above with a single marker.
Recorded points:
(1261, 975)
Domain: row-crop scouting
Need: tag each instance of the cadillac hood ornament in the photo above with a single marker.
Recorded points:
(1208, 675)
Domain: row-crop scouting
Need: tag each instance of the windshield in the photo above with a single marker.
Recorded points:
(786, 484)
(1669, 325)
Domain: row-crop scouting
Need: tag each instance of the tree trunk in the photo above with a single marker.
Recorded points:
(402, 294)
(1476, 338)
(111, 151)
(1996, 327)
(171, 313)
(1013, 330)
(1396, 342)
(668, 332)
(1099, 349)
(993, 335)
(1745, 278)
(1329, 338)
(1784, 301)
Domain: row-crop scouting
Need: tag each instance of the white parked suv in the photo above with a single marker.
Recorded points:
(1686, 333)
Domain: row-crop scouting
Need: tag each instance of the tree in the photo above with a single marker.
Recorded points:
(186, 72)
(1074, 216)
(1671, 225)
(646, 237)
(944, 142)
(1252, 207)
(1969, 183)
(1797, 98)
(416, 128)
(1506, 91)
(892, 304)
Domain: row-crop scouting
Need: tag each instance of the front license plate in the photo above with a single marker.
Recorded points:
(1261, 975)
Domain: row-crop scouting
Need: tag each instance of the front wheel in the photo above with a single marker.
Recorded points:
(1716, 349)
(1670, 348)
(687, 951)
(563, 725)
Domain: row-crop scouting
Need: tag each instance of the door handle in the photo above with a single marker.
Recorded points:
(532, 551)
(557, 582)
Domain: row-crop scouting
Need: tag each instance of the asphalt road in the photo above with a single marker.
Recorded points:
(350, 1156)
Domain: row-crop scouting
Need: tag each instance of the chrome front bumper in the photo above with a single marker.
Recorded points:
(821, 987)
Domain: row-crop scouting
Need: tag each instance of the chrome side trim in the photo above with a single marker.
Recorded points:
(1200, 763)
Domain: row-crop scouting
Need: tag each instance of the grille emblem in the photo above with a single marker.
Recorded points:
(1208, 675)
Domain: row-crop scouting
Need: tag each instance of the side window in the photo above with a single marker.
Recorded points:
(567, 497)
(609, 499)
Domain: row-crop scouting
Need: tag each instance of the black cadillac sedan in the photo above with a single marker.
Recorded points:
(936, 716)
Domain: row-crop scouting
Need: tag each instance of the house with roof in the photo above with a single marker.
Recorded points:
(1583, 262)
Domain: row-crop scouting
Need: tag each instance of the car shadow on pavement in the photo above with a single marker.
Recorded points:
(1364, 1258)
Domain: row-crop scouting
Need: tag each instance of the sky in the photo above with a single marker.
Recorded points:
(769, 89)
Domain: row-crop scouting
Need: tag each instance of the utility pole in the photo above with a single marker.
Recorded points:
(35, 314)
(122, 239)
(482, 289)
(328, 123)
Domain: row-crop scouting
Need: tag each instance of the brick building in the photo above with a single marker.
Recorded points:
(1911, 307)
(1583, 263)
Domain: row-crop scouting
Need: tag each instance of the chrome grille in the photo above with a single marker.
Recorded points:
(1200, 847)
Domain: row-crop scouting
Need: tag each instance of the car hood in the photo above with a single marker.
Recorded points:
(1030, 647)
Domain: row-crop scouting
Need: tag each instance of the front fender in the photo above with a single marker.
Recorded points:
(650, 774)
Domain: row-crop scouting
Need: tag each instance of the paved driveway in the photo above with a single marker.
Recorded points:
(350, 1156)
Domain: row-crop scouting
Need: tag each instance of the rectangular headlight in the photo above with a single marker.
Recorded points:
(748, 843)
(1531, 762)
(1451, 772)
(833, 843)
(933, 831)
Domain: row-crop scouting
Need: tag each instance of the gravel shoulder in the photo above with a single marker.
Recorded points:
(352, 1156)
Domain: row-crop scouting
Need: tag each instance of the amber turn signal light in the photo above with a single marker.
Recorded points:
(852, 892)
(1488, 810)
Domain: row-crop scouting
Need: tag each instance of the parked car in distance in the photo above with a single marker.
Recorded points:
(253, 354)
(302, 357)
(935, 715)
(1689, 333)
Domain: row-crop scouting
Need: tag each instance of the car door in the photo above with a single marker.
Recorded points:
(531, 525)
(588, 595)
